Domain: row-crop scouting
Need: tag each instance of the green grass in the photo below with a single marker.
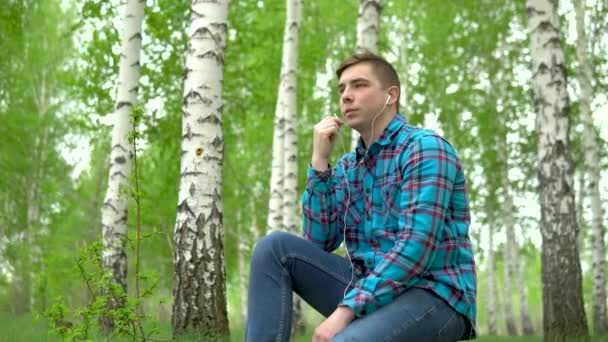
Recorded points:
(27, 328)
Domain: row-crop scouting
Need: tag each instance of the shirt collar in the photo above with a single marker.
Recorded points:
(387, 136)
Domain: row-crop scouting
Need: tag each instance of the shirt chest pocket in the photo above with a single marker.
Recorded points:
(391, 198)
(354, 209)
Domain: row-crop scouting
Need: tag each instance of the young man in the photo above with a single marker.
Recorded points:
(399, 203)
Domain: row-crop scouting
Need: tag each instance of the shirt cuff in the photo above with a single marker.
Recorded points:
(318, 181)
(353, 301)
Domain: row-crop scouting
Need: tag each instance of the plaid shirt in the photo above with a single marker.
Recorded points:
(406, 222)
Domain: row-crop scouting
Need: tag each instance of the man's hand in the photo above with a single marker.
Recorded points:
(325, 134)
(337, 321)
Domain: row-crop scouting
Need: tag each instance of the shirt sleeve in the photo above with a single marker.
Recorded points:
(430, 168)
(320, 212)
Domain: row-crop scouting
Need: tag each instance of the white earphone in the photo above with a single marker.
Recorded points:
(388, 98)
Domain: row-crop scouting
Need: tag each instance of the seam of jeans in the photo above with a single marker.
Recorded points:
(284, 276)
(445, 325)
(309, 261)
(416, 320)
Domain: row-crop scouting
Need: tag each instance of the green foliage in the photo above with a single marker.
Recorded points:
(107, 299)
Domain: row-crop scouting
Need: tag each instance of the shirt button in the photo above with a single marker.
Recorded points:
(367, 191)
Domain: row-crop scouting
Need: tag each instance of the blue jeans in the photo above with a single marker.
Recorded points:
(282, 263)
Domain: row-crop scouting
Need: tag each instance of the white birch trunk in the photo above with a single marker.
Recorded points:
(563, 309)
(579, 212)
(287, 110)
(515, 267)
(275, 218)
(199, 290)
(116, 202)
(508, 291)
(592, 161)
(33, 219)
(289, 90)
(368, 23)
(524, 309)
(492, 303)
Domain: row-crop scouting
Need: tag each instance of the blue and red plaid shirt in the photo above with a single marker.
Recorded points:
(405, 213)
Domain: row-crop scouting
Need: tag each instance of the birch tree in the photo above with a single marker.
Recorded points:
(368, 23)
(199, 289)
(116, 202)
(592, 166)
(563, 310)
(492, 304)
(274, 221)
(513, 266)
(284, 177)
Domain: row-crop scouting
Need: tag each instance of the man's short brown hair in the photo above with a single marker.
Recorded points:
(384, 70)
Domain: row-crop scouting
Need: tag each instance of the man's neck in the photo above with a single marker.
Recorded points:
(377, 128)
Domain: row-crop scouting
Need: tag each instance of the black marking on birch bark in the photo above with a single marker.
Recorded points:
(118, 173)
(135, 36)
(192, 96)
(186, 73)
(120, 160)
(120, 147)
(190, 135)
(533, 11)
(209, 158)
(184, 207)
(122, 219)
(122, 104)
(134, 90)
(221, 29)
(219, 58)
(217, 142)
(192, 173)
(196, 15)
(203, 33)
(192, 189)
(375, 4)
(206, 100)
(211, 118)
(205, 1)
(371, 28)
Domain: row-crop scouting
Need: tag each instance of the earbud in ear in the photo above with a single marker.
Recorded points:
(388, 98)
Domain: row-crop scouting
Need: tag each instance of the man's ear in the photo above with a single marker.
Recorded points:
(393, 92)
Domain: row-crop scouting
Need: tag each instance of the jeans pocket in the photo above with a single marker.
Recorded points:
(452, 330)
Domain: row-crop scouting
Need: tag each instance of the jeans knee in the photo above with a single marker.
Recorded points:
(270, 246)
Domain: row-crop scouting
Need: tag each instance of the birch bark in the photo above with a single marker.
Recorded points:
(368, 23)
(116, 202)
(199, 290)
(563, 309)
(492, 303)
(592, 166)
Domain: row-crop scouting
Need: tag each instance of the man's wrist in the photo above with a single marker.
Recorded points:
(319, 164)
(344, 313)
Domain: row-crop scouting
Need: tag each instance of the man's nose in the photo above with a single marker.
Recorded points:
(346, 96)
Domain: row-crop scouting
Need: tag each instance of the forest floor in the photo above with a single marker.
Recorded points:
(28, 328)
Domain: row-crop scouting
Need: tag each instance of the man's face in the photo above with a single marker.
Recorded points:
(361, 96)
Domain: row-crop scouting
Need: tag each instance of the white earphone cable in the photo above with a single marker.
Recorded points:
(352, 267)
